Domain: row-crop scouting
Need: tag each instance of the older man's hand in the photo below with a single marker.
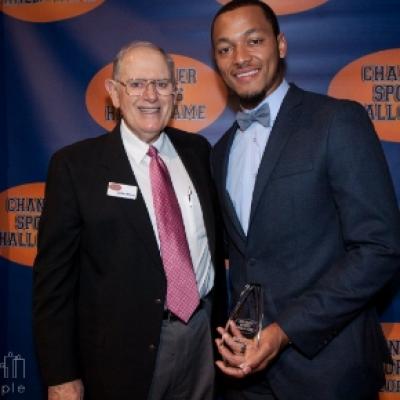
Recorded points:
(66, 391)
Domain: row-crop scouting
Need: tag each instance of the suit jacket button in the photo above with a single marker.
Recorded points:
(157, 301)
(152, 347)
(252, 262)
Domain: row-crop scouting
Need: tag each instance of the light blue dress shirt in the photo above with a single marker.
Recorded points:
(245, 156)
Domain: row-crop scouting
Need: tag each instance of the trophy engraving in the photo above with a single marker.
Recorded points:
(248, 312)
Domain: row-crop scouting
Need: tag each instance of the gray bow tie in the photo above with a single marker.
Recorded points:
(261, 115)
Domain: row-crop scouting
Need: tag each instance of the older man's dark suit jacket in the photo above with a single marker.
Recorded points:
(99, 283)
(323, 240)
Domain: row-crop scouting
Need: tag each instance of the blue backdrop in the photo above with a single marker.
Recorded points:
(51, 52)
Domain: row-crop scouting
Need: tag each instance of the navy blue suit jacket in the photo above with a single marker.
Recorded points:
(323, 240)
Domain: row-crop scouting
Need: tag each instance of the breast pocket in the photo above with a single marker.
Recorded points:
(283, 170)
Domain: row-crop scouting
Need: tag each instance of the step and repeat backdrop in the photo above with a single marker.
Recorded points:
(56, 55)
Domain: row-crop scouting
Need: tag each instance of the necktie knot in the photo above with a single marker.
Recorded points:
(261, 115)
(152, 152)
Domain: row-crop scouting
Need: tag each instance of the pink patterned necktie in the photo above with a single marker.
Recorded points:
(182, 292)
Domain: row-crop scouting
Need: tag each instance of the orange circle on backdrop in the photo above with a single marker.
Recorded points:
(374, 81)
(98, 103)
(391, 391)
(202, 96)
(49, 10)
(282, 7)
(20, 210)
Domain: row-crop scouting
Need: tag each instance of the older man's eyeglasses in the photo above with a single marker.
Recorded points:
(136, 87)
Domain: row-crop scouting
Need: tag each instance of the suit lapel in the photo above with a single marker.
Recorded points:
(227, 198)
(233, 225)
(117, 168)
(284, 126)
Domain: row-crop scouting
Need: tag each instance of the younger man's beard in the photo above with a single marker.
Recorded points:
(252, 100)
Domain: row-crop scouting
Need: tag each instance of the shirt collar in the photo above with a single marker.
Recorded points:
(137, 149)
(274, 100)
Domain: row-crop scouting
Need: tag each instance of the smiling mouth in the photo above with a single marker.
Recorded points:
(246, 74)
(149, 110)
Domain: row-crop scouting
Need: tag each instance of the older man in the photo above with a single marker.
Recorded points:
(125, 267)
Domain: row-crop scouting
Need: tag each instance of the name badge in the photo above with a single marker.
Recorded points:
(123, 191)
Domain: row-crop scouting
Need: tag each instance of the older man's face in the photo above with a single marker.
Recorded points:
(148, 114)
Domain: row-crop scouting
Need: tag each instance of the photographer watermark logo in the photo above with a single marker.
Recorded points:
(12, 370)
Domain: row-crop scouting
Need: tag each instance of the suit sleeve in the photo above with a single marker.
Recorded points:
(363, 194)
(55, 277)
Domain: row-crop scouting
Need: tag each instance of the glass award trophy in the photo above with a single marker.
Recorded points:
(248, 312)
